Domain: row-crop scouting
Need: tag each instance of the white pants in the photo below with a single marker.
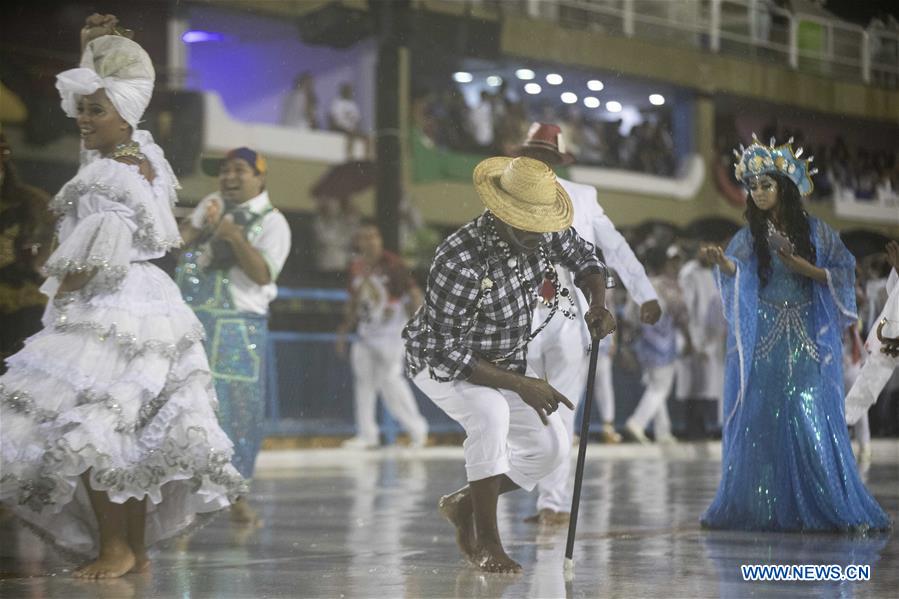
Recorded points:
(378, 368)
(559, 355)
(851, 372)
(504, 435)
(653, 404)
(604, 392)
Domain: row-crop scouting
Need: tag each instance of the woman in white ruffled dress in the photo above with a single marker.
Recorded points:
(109, 440)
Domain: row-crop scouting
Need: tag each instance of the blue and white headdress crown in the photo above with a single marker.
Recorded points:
(759, 159)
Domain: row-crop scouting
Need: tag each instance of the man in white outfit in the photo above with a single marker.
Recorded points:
(382, 297)
(883, 347)
(561, 354)
(700, 375)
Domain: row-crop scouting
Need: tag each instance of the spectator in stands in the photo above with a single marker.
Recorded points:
(301, 104)
(383, 296)
(866, 175)
(499, 103)
(629, 148)
(235, 244)
(662, 142)
(422, 114)
(480, 122)
(841, 174)
(344, 116)
(511, 127)
(595, 149)
(821, 179)
(453, 117)
(615, 141)
(498, 121)
(885, 165)
(572, 129)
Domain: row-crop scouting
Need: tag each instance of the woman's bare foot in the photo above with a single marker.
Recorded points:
(492, 557)
(116, 559)
(141, 562)
(456, 508)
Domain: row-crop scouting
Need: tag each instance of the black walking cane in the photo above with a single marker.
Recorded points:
(581, 458)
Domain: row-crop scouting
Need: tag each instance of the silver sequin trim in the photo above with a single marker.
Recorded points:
(788, 325)
(23, 403)
(127, 341)
(145, 236)
(158, 467)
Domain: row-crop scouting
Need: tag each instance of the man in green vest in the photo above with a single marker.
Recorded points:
(235, 244)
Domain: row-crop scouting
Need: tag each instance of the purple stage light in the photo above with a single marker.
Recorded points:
(195, 37)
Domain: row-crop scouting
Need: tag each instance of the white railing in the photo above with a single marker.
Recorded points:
(747, 28)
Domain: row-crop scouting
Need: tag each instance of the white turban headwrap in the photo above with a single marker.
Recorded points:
(119, 66)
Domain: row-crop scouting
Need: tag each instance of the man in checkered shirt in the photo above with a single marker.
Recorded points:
(466, 347)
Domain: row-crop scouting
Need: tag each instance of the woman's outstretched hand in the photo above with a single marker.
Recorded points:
(715, 255)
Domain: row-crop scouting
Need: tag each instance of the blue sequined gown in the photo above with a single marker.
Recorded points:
(787, 461)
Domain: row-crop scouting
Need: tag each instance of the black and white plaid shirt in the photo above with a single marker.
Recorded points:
(476, 306)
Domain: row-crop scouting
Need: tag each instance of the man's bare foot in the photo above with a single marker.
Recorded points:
(243, 514)
(554, 518)
(548, 517)
(538, 517)
(492, 557)
(456, 508)
(116, 559)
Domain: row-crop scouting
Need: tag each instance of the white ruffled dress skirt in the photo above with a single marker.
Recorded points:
(117, 384)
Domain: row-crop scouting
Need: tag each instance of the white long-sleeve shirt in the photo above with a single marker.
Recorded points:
(592, 223)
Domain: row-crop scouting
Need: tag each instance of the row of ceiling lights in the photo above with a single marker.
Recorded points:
(534, 88)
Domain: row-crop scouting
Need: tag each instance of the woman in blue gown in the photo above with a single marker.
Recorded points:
(788, 287)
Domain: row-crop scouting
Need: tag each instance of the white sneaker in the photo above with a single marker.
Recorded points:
(418, 441)
(666, 440)
(636, 433)
(359, 443)
(608, 434)
(864, 455)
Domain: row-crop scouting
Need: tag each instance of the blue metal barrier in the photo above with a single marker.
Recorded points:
(310, 391)
(303, 293)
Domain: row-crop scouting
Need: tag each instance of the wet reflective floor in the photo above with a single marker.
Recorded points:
(365, 524)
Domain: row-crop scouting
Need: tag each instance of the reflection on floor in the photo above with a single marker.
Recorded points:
(364, 524)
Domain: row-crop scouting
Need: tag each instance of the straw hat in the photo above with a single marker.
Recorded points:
(524, 193)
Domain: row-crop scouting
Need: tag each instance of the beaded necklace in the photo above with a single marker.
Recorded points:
(550, 280)
(512, 261)
(550, 277)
